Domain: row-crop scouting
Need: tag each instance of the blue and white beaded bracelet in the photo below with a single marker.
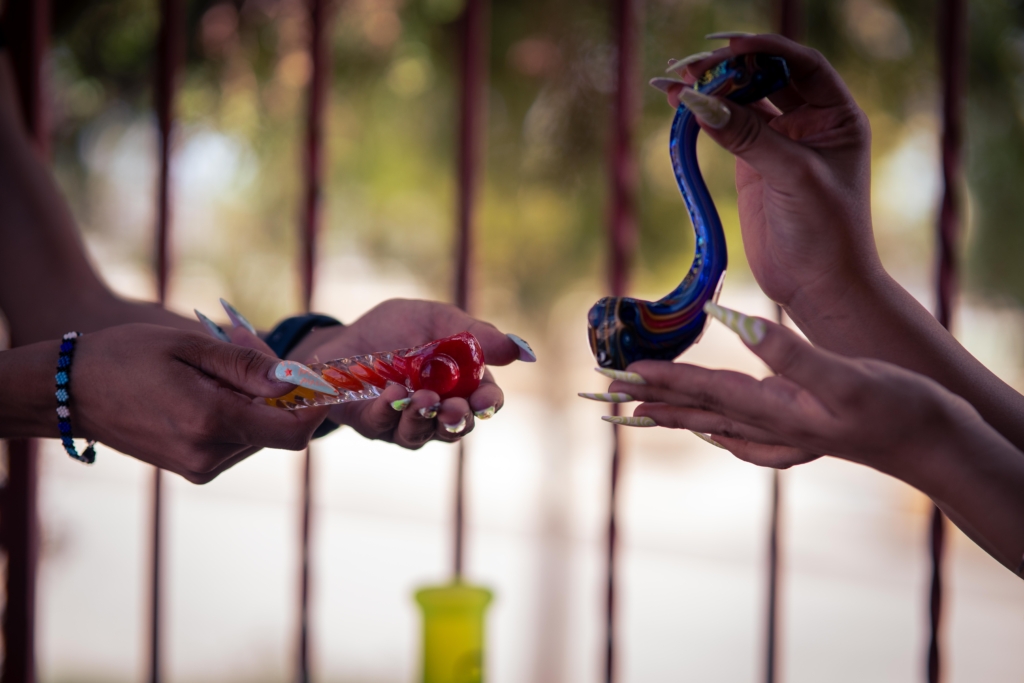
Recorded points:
(67, 354)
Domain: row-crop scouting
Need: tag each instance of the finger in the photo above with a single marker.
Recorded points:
(812, 78)
(706, 422)
(771, 403)
(487, 399)
(247, 370)
(243, 337)
(418, 420)
(827, 375)
(378, 418)
(767, 455)
(257, 424)
(746, 134)
(499, 348)
(455, 419)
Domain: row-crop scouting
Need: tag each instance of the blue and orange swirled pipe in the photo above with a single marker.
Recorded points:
(623, 329)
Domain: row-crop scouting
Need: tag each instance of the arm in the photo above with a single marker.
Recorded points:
(47, 285)
(177, 400)
(864, 411)
(803, 177)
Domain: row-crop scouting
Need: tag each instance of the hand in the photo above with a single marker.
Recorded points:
(802, 174)
(865, 411)
(180, 400)
(397, 324)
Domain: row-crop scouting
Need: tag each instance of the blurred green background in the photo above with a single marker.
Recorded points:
(391, 122)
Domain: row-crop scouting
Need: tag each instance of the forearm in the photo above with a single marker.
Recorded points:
(47, 285)
(27, 385)
(875, 317)
(977, 478)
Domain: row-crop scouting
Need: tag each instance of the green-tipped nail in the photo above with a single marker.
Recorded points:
(401, 404)
(750, 329)
(430, 412)
(705, 437)
(607, 397)
(622, 375)
(486, 413)
(457, 427)
(630, 421)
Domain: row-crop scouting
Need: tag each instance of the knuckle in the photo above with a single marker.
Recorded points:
(747, 134)
(246, 361)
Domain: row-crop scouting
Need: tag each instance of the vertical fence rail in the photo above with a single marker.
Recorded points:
(312, 173)
(27, 26)
(622, 235)
(789, 22)
(952, 49)
(474, 32)
(170, 53)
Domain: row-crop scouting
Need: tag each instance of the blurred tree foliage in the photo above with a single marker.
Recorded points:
(392, 115)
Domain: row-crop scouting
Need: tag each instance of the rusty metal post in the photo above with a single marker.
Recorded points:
(952, 49)
(27, 26)
(170, 54)
(474, 33)
(312, 172)
(622, 235)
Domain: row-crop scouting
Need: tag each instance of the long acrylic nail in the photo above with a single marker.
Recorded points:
(300, 375)
(680, 64)
(430, 412)
(710, 110)
(237, 319)
(726, 35)
(486, 413)
(401, 404)
(630, 421)
(622, 375)
(526, 354)
(663, 84)
(213, 327)
(750, 329)
(705, 437)
(608, 397)
(457, 427)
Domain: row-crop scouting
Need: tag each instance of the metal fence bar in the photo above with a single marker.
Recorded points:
(27, 27)
(312, 170)
(170, 51)
(952, 49)
(474, 32)
(622, 231)
(789, 22)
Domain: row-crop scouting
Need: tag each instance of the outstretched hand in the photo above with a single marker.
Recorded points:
(181, 401)
(818, 403)
(802, 174)
(864, 411)
(412, 420)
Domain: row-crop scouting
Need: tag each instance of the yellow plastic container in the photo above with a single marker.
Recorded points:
(453, 632)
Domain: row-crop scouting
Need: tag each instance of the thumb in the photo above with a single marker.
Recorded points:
(250, 371)
(745, 133)
(821, 372)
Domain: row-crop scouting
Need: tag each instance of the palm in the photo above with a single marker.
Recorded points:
(797, 224)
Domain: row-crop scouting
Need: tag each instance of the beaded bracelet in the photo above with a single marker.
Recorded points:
(67, 354)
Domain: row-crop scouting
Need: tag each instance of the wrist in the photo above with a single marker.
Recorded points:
(27, 403)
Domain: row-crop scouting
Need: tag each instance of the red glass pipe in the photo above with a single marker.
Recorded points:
(452, 366)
